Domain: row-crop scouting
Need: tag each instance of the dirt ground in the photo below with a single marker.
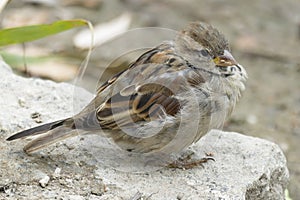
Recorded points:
(264, 36)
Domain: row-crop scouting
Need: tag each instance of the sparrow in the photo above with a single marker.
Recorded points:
(166, 100)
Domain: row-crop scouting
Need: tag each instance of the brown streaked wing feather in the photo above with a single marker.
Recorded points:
(135, 107)
(147, 85)
(145, 58)
(146, 102)
(149, 101)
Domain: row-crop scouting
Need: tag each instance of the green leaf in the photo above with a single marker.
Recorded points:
(34, 32)
(16, 61)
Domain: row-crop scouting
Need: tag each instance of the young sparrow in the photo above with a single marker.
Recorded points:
(166, 100)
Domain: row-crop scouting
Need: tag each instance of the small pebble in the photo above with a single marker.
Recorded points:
(21, 102)
(179, 197)
(56, 172)
(44, 181)
(36, 117)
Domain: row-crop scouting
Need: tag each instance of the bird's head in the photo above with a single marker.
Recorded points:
(214, 45)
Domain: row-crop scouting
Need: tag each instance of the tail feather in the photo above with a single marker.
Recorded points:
(49, 138)
(52, 132)
(57, 131)
(37, 130)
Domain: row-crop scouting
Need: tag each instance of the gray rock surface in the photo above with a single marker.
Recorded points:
(89, 167)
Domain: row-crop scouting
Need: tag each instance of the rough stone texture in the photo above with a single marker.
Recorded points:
(90, 168)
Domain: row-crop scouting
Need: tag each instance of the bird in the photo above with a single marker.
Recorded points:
(164, 101)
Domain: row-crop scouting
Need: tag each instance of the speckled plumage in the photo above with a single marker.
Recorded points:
(166, 100)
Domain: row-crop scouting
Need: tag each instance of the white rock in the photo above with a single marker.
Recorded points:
(244, 168)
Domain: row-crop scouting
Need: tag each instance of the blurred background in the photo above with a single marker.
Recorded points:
(264, 36)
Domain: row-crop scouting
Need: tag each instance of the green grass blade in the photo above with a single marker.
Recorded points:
(34, 32)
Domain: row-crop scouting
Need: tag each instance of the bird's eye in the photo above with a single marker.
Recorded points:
(232, 69)
(204, 52)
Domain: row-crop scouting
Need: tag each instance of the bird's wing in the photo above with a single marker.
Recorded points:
(147, 92)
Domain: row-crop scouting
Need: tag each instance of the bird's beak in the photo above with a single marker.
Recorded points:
(225, 60)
